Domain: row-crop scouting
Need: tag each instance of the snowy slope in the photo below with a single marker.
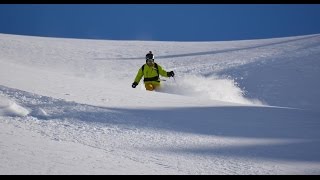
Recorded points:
(234, 107)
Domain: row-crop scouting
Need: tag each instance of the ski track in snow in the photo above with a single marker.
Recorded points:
(228, 130)
(150, 143)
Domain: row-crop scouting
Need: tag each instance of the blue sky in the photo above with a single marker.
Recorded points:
(164, 22)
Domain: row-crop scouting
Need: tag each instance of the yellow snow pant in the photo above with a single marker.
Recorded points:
(150, 86)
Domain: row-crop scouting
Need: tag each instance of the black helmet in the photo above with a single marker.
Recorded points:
(149, 55)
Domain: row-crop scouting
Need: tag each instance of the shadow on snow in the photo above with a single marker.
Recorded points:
(212, 52)
(241, 122)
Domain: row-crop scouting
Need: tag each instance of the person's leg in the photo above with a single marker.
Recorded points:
(156, 86)
(149, 86)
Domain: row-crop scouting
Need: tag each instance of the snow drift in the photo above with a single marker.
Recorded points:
(11, 108)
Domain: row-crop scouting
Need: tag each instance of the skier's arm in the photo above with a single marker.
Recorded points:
(162, 72)
(138, 76)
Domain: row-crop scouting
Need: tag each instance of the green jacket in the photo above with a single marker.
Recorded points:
(150, 74)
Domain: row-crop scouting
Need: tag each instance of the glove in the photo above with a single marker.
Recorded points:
(170, 74)
(134, 85)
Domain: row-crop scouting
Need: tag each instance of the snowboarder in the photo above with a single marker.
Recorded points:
(151, 72)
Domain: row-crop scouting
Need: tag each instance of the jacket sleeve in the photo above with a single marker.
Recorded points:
(162, 72)
(138, 76)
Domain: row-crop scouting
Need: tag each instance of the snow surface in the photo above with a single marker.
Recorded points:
(234, 107)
